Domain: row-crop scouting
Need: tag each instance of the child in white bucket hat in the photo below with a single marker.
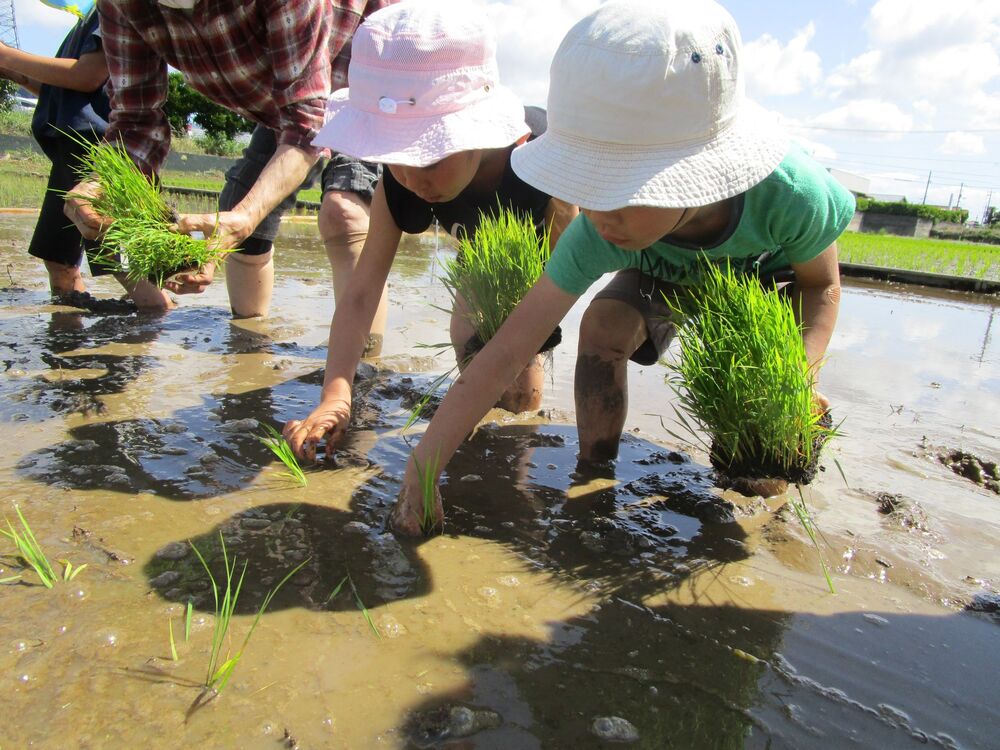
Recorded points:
(651, 135)
(424, 100)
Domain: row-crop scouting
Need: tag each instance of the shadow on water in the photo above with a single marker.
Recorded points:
(707, 676)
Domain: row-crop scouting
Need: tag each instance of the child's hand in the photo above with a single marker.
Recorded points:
(79, 209)
(820, 402)
(330, 419)
(410, 517)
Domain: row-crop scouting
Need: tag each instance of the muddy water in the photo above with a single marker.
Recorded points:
(559, 609)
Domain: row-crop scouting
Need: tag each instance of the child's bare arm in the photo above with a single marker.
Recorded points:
(349, 329)
(478, 388)
(558, 215)
(85, 74)
(817, 288)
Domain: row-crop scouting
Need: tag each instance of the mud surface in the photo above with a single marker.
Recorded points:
(636, 603)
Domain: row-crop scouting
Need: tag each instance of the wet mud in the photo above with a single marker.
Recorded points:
(638, 602)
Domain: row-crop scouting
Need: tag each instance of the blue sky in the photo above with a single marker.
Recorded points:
(926, 71)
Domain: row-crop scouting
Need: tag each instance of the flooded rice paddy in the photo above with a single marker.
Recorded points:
(559, 609)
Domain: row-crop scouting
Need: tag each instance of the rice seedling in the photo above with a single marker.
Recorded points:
(926, 255)
(357, 601)
(806, 519)
(173, 646)
(69, 572)
(218, 674)
(280, 448)
(187, 621)
(495, 268)
(29, 551)
(140, 230)
(744, 379)
(428, 490)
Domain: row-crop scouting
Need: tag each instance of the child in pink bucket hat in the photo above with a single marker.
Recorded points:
(424, 100)
(650, 134)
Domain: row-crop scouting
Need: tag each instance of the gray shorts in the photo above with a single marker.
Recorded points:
(646, 295)
(341, 173)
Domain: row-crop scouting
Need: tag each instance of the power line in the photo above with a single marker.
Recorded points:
(893, 132)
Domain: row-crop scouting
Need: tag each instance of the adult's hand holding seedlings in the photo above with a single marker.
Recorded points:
(79, 209)
(225, 230)
(330, 420)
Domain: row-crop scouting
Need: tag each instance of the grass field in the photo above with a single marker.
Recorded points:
(967, 259)
(24, 175)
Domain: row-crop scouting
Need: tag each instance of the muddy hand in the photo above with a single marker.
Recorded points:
(79, 209)
(410, 516)
(225, 230)
(330, 420)
(820, 402)
(191, 282)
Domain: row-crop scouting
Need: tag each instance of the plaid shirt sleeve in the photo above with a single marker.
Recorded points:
(298, 32)
(137, 87)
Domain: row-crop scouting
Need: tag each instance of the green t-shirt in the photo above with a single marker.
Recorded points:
(797, 212)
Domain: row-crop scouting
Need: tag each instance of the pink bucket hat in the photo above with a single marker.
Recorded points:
(422, 85)
(647, 108)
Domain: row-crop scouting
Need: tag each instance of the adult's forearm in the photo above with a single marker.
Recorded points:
(285, 171)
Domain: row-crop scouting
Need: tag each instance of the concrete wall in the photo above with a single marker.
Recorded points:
(904, 226)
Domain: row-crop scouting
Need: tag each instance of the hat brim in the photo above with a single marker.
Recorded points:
(494, 122)
(605, 176)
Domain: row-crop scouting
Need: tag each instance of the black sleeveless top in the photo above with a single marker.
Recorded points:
(413, 215)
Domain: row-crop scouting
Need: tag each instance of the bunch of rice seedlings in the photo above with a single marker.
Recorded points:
(495, 268)
(30, 553)
(280, 448)
(140, 230)
(218, 674)
(744, 379)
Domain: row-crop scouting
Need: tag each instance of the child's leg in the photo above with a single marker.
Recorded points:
(525, 393)
(55, 241)
(343, 225)
(609, 332)
(628, 319)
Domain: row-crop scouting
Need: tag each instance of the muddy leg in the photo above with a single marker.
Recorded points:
(343, 225)
(609, 332)
(64, 279)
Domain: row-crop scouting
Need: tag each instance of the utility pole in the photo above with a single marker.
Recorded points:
(959, 201)
(927, 187)
(8, 24)
(986, 210)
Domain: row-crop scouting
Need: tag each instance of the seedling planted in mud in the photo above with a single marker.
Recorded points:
(220, 669)
(428, 491)
(30, 553)
(357, 601)
(280, 448)
(140, 231)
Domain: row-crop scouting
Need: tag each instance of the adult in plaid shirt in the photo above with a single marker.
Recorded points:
(273, 61)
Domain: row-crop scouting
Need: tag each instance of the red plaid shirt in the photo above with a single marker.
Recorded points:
(273, 61)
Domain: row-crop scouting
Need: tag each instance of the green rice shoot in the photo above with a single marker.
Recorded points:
(495, 268)
(744, 378)
(220, 669)
(140, 231)
(280, 448)
(187, 621)
(29, 551)
(806, 519)
(173, 646)
(428, 475)
(357, 602)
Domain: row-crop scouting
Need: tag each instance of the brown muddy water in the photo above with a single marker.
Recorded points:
(558, 609)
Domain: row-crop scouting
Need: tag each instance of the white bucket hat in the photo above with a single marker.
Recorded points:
(647, 108)
(423, 84)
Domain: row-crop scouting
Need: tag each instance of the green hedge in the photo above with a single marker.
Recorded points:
(955, 215)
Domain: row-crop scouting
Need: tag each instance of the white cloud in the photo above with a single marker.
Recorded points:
(528, 33)
(865, 114)
(963, 144)
(929, 24)
(776, 70)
